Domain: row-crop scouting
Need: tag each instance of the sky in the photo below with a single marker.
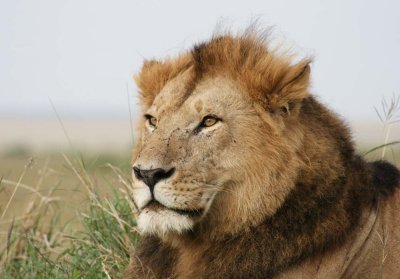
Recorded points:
(80, 55)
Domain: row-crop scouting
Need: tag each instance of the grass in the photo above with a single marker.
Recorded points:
(45, 242)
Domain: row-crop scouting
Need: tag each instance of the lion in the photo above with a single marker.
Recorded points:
(240, 172)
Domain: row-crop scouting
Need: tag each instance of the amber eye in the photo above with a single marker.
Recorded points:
(209, 121)
(151, 120)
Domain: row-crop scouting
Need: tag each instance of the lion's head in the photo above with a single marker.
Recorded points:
(219, 137)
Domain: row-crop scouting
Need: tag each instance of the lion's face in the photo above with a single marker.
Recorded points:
(213, 149)
(202, 143)
(206, 145)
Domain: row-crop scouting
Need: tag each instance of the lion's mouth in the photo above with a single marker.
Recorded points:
(157, 206)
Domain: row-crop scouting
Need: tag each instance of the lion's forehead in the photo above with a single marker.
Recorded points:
(210, 96)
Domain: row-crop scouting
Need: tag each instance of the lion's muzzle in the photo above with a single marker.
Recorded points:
(152, 176)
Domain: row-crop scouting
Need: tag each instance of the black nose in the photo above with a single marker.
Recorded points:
(151, 177)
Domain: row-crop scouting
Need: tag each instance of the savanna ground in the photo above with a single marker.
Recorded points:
(68, 214)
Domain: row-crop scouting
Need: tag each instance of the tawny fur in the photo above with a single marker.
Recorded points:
(282, 191)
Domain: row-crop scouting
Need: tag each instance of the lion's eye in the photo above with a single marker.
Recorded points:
(209, 121)
(151, 120)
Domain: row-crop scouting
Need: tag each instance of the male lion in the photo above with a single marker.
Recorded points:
(240, 173)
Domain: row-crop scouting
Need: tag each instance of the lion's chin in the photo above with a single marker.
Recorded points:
(163, 221)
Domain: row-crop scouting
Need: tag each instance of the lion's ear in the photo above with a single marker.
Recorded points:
(290, 88)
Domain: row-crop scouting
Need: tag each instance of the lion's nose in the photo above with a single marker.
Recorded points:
(153, 176)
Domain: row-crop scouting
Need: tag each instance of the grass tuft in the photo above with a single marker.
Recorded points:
(42, 244)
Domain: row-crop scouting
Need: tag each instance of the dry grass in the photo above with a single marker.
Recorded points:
(38, 238)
